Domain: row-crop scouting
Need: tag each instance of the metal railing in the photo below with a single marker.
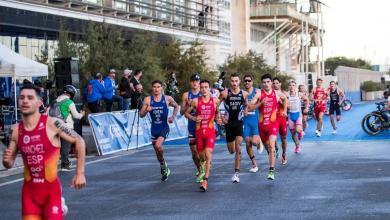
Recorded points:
(284, 9)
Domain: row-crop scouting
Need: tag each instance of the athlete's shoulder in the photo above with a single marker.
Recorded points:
(185, 95)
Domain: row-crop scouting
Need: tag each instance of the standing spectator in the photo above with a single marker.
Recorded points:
(136, 86)
(94, 92)
(110, 95)
(125, 89)
(68, 113)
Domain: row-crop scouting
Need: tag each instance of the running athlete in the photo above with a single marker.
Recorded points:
(294, 115)
(281, 117)
(235, 102)
(305, 104)
(251, 127)
(319, 96)
(336, 97)
(194, 93)
(157, 106)
(37, 138)
(267, 102)
(206, 111)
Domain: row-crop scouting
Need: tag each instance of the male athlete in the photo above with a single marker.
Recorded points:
(235, 102)
(157, 106)
(187, 98)
(294, 115)
(205, 111)
(305, 104)
(319, 96)
(281, 116)
(267, 102)
(251, 127)
(336, 97)
(37, 138)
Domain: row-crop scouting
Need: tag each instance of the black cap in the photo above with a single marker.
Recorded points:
(195, 77)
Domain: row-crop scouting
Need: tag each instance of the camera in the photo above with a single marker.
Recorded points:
(220, 82)
(172, 85)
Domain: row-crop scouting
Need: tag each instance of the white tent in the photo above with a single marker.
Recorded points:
(15, 65)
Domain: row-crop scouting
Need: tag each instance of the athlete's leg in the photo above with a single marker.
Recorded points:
(158, 148)
(319, 123)
(237, 158)
(271, 149)
(332, 121)
(208, 156)
(231, 147)
(195, 156)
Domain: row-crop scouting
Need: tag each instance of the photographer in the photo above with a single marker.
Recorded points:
(135, 84)
(172, 85)
(125, 89)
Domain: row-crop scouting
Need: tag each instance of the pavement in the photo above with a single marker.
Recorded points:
(343, 176)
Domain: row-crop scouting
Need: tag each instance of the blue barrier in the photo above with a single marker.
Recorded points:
(111, 130)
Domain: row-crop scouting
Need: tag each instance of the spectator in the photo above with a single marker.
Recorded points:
(94, 92)
(110, 95)
(68, 113)
(136, 86)
(125, 89)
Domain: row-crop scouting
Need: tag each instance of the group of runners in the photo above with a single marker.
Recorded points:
(254, 115)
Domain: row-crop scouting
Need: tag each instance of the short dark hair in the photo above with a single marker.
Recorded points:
(234, 75)
(292, 81)
(157, 81)
(266, 76)
(205, 81)
(137, 72)
(276, 78)
(319, 79)
(248, 76)
(332, 82)
(31, 86)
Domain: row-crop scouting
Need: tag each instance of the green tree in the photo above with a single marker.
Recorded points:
(332, 63)
(252, 63)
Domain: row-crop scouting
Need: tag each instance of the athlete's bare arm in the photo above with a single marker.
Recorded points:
(217, 115)
(284, 100)
(10, 152)
(192, 106)
(342, 96)
(145, 107)
(255, 102)
(59, 128)
(184, 103)
(172, 102)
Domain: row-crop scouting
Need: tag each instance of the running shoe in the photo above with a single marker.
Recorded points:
(66, 167)
(271, 175)
(235, 178)
(297, 149)
(284, 159)
(165, 172)
(253, 169)
(64, 207)
(334, 131)
(203, 186)
(319, 134)
(317, 131)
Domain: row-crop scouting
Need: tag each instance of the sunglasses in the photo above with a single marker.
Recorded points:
(247, 80)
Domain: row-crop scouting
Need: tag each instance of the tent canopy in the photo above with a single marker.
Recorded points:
(15, 65)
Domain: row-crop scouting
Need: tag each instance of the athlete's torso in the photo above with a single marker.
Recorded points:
(334, 97)
(206, 111)
(319, 96)
(234, 105)
(159, 114)
(269, 107)
(294, 103)
(190, 97)
(39, 155)
(254, 114)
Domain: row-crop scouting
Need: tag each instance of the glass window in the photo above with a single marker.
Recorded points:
(121, 5)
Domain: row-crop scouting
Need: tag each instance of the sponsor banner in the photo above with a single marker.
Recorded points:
(118, 131)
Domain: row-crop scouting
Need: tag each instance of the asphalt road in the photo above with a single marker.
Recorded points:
(341, 178)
